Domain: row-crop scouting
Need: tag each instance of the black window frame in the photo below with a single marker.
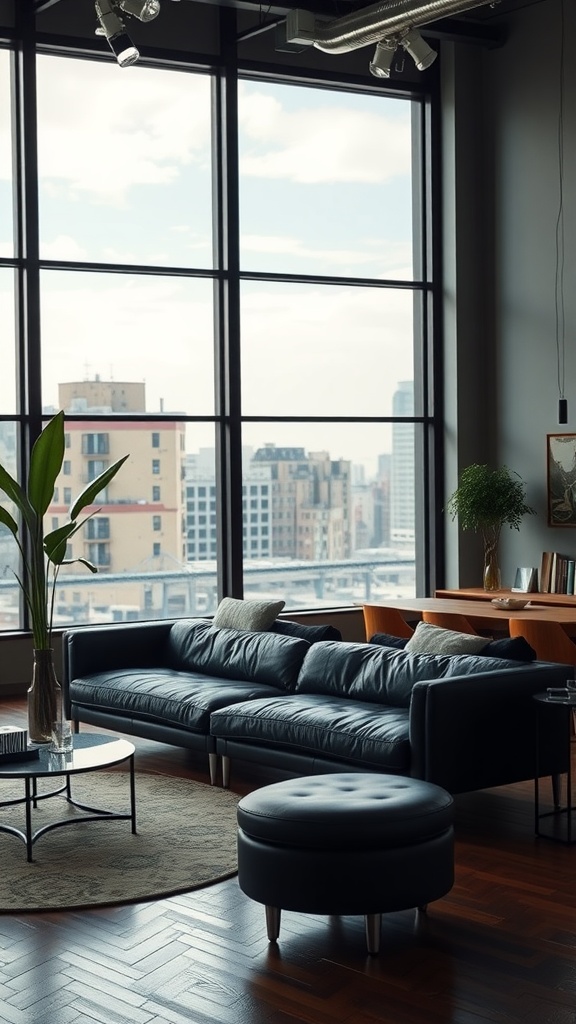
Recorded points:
(226, 70)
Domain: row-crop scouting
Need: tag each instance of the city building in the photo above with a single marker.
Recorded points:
(402, 468)
(136, 525)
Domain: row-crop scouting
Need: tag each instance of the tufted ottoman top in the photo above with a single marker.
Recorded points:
(346, 811)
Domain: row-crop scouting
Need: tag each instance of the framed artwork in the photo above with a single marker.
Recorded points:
(561, 462)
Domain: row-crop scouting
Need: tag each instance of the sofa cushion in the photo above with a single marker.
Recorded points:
(513, 648)
(386, 640)
(311, 633)
(249, 615)
(361, 733)
(195, 646)
(430, 639)
(381, 674)
(184, 699)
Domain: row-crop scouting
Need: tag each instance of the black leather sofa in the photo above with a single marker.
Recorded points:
(464, 722)
(161, 680)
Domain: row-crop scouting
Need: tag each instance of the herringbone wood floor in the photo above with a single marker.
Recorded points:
(501, 947)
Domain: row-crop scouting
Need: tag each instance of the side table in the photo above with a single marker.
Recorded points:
(90, 753)
(561, 820)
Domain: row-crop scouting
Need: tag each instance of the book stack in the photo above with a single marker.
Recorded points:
(12, 739)
(557, 573)
(14, 744)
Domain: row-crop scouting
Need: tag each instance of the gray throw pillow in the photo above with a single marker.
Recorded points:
(251, 615)
(430, 639)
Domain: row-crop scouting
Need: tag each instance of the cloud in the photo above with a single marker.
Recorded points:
(321, 144)
(95, 145)
(397, 256)
(341, 350)
(64, 247)
(130, 328)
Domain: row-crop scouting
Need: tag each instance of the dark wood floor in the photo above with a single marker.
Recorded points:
(500, 947)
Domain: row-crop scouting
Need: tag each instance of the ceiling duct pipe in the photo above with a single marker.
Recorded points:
(380, 21)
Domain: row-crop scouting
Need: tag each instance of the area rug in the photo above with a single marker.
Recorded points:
(186, 839)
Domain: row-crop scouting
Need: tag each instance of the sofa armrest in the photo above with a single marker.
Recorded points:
(90, 649)
(477, 731)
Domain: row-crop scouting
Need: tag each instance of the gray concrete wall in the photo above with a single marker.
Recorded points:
(504, 410)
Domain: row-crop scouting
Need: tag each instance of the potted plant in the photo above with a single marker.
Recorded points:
(484, 501)
(43, 554)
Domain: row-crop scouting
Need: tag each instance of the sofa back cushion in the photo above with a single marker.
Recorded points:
(311, 633)
(381, 674)
(430, 639)
(513, 648)
(195, 646)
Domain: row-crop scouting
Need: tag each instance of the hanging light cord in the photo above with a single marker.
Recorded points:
(559, 279)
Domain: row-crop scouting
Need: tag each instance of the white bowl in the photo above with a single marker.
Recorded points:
(509, 603)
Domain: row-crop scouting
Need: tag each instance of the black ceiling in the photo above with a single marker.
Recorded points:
(484, 23)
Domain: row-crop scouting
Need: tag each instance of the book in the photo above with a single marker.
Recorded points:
(526, 580)
(545, 566)
(553, 572)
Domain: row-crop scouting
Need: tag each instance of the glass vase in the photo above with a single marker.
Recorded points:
(44, 697)
(492, 577)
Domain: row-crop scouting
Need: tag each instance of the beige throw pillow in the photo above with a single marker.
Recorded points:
(251, 615)
(430, 639)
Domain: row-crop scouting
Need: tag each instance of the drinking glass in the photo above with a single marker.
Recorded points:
(61, 736)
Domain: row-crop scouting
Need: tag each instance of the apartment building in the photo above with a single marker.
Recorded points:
(136, 526)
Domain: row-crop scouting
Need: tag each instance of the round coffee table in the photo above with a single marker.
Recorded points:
(90, 752)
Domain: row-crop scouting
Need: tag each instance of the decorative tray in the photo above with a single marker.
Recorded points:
(509, 603)
(20, 755)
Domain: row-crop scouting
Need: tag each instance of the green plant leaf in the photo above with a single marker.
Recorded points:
(89, 565)
(45, 464)
(72, 561)
(7, 520)
(55, 542)
(95, 486)
(12, 489)
(487, 499)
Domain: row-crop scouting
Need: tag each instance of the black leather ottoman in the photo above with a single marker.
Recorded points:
(351, 843)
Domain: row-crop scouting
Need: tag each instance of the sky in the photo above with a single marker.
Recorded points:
(125, 177)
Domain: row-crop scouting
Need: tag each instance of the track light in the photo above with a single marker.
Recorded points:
(115, 31)
(422, 54)
(383, 56)
(144, 10)
(411, 41)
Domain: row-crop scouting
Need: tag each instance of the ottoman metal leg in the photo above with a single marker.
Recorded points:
(373, 922)
(273, 923)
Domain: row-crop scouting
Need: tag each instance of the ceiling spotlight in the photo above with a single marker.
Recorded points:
(144, 10)
(115, 31)
(383, 56)
(422, 54)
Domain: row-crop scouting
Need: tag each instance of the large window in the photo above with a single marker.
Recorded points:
(254, 337)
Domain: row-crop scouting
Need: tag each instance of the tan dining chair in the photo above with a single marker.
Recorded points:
(378, 619)
(450, 620)
(550, 641)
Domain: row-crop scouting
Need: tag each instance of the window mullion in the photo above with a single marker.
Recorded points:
(228, 393)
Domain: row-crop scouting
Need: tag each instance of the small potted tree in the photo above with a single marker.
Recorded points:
(43, 555)
(484, 501)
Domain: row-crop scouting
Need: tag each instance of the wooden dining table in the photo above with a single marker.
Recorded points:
(482, 615)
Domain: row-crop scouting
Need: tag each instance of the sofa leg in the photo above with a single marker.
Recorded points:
(75, 726)
(213, 763)
(556, 789)
(225, 771)
(373, 922)
(272, 923)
